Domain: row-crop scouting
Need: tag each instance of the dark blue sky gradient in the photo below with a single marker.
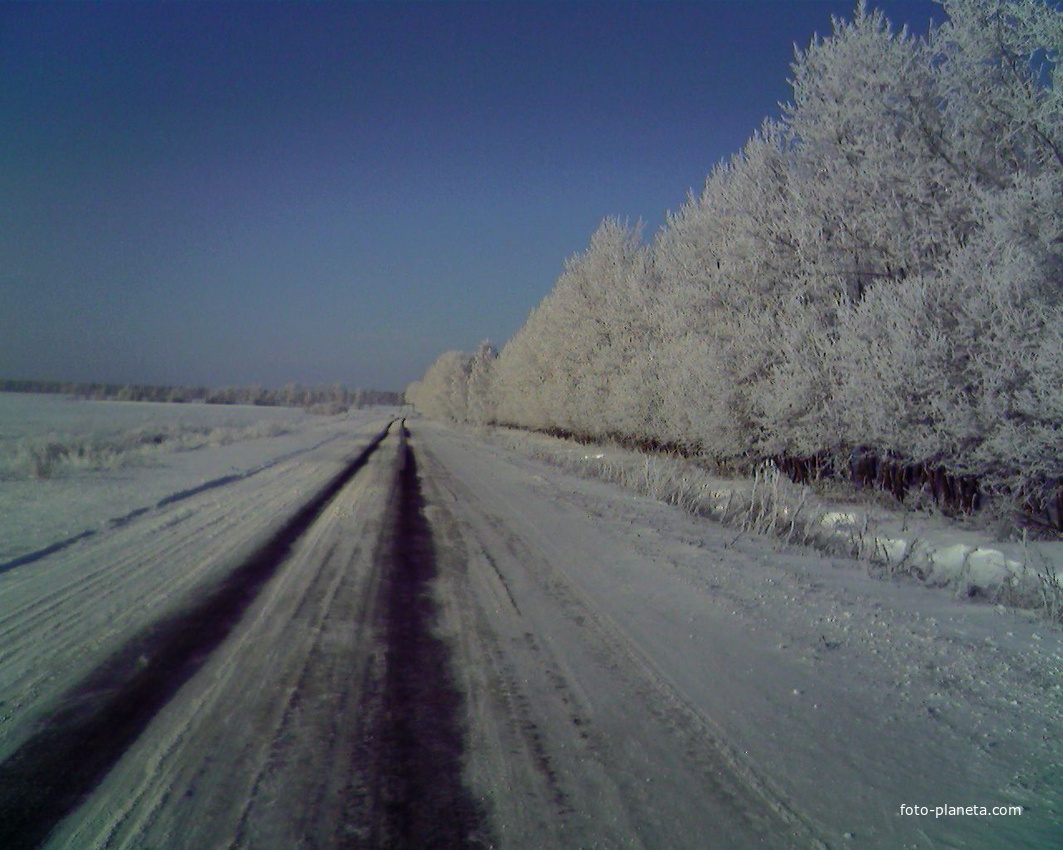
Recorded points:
(269, 192)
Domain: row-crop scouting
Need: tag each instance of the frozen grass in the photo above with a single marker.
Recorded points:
(1039, 585)
(47, 456)
(45, 437)
(891, 543)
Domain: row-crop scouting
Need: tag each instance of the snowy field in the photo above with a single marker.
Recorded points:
(32, 415)
(70, 467)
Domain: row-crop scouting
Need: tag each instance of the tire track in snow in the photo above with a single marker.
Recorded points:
(52, 772)
(51, 549)
(418, 797)
(173, 498)
(570, 677)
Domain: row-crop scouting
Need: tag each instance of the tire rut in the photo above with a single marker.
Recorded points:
(415, 743)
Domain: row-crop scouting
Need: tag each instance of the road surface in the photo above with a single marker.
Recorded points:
(414, 638)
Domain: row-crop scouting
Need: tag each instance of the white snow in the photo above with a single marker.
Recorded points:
(840, 696)
(635, 674)
(211, 442)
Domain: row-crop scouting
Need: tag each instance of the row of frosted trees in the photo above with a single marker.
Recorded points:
(876, 278)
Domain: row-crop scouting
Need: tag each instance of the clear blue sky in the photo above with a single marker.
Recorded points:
(232, 193)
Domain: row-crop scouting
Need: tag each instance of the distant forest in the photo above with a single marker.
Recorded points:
(334, 398)
(872, 288)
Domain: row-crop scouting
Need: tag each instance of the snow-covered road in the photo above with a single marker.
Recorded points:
(669, 685)
(464, 647)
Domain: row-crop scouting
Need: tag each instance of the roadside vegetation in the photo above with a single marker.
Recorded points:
(840, 521)
(47, 456)
(871, 291)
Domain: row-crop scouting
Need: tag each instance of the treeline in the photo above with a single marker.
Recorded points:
(872, 287)
(334, 398)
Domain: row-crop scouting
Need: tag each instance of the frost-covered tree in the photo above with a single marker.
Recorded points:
(523, 375)
(910, 160)
(725, 262)
(607, 289)
(963, 366)
(1001, 88)
(443, 392)
(867, 204)
(413, 393)
(457, 386)
(563, 370)
(998, 78)
(881, 267)
(481, 407)
(870, 199)
(1020, 365)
